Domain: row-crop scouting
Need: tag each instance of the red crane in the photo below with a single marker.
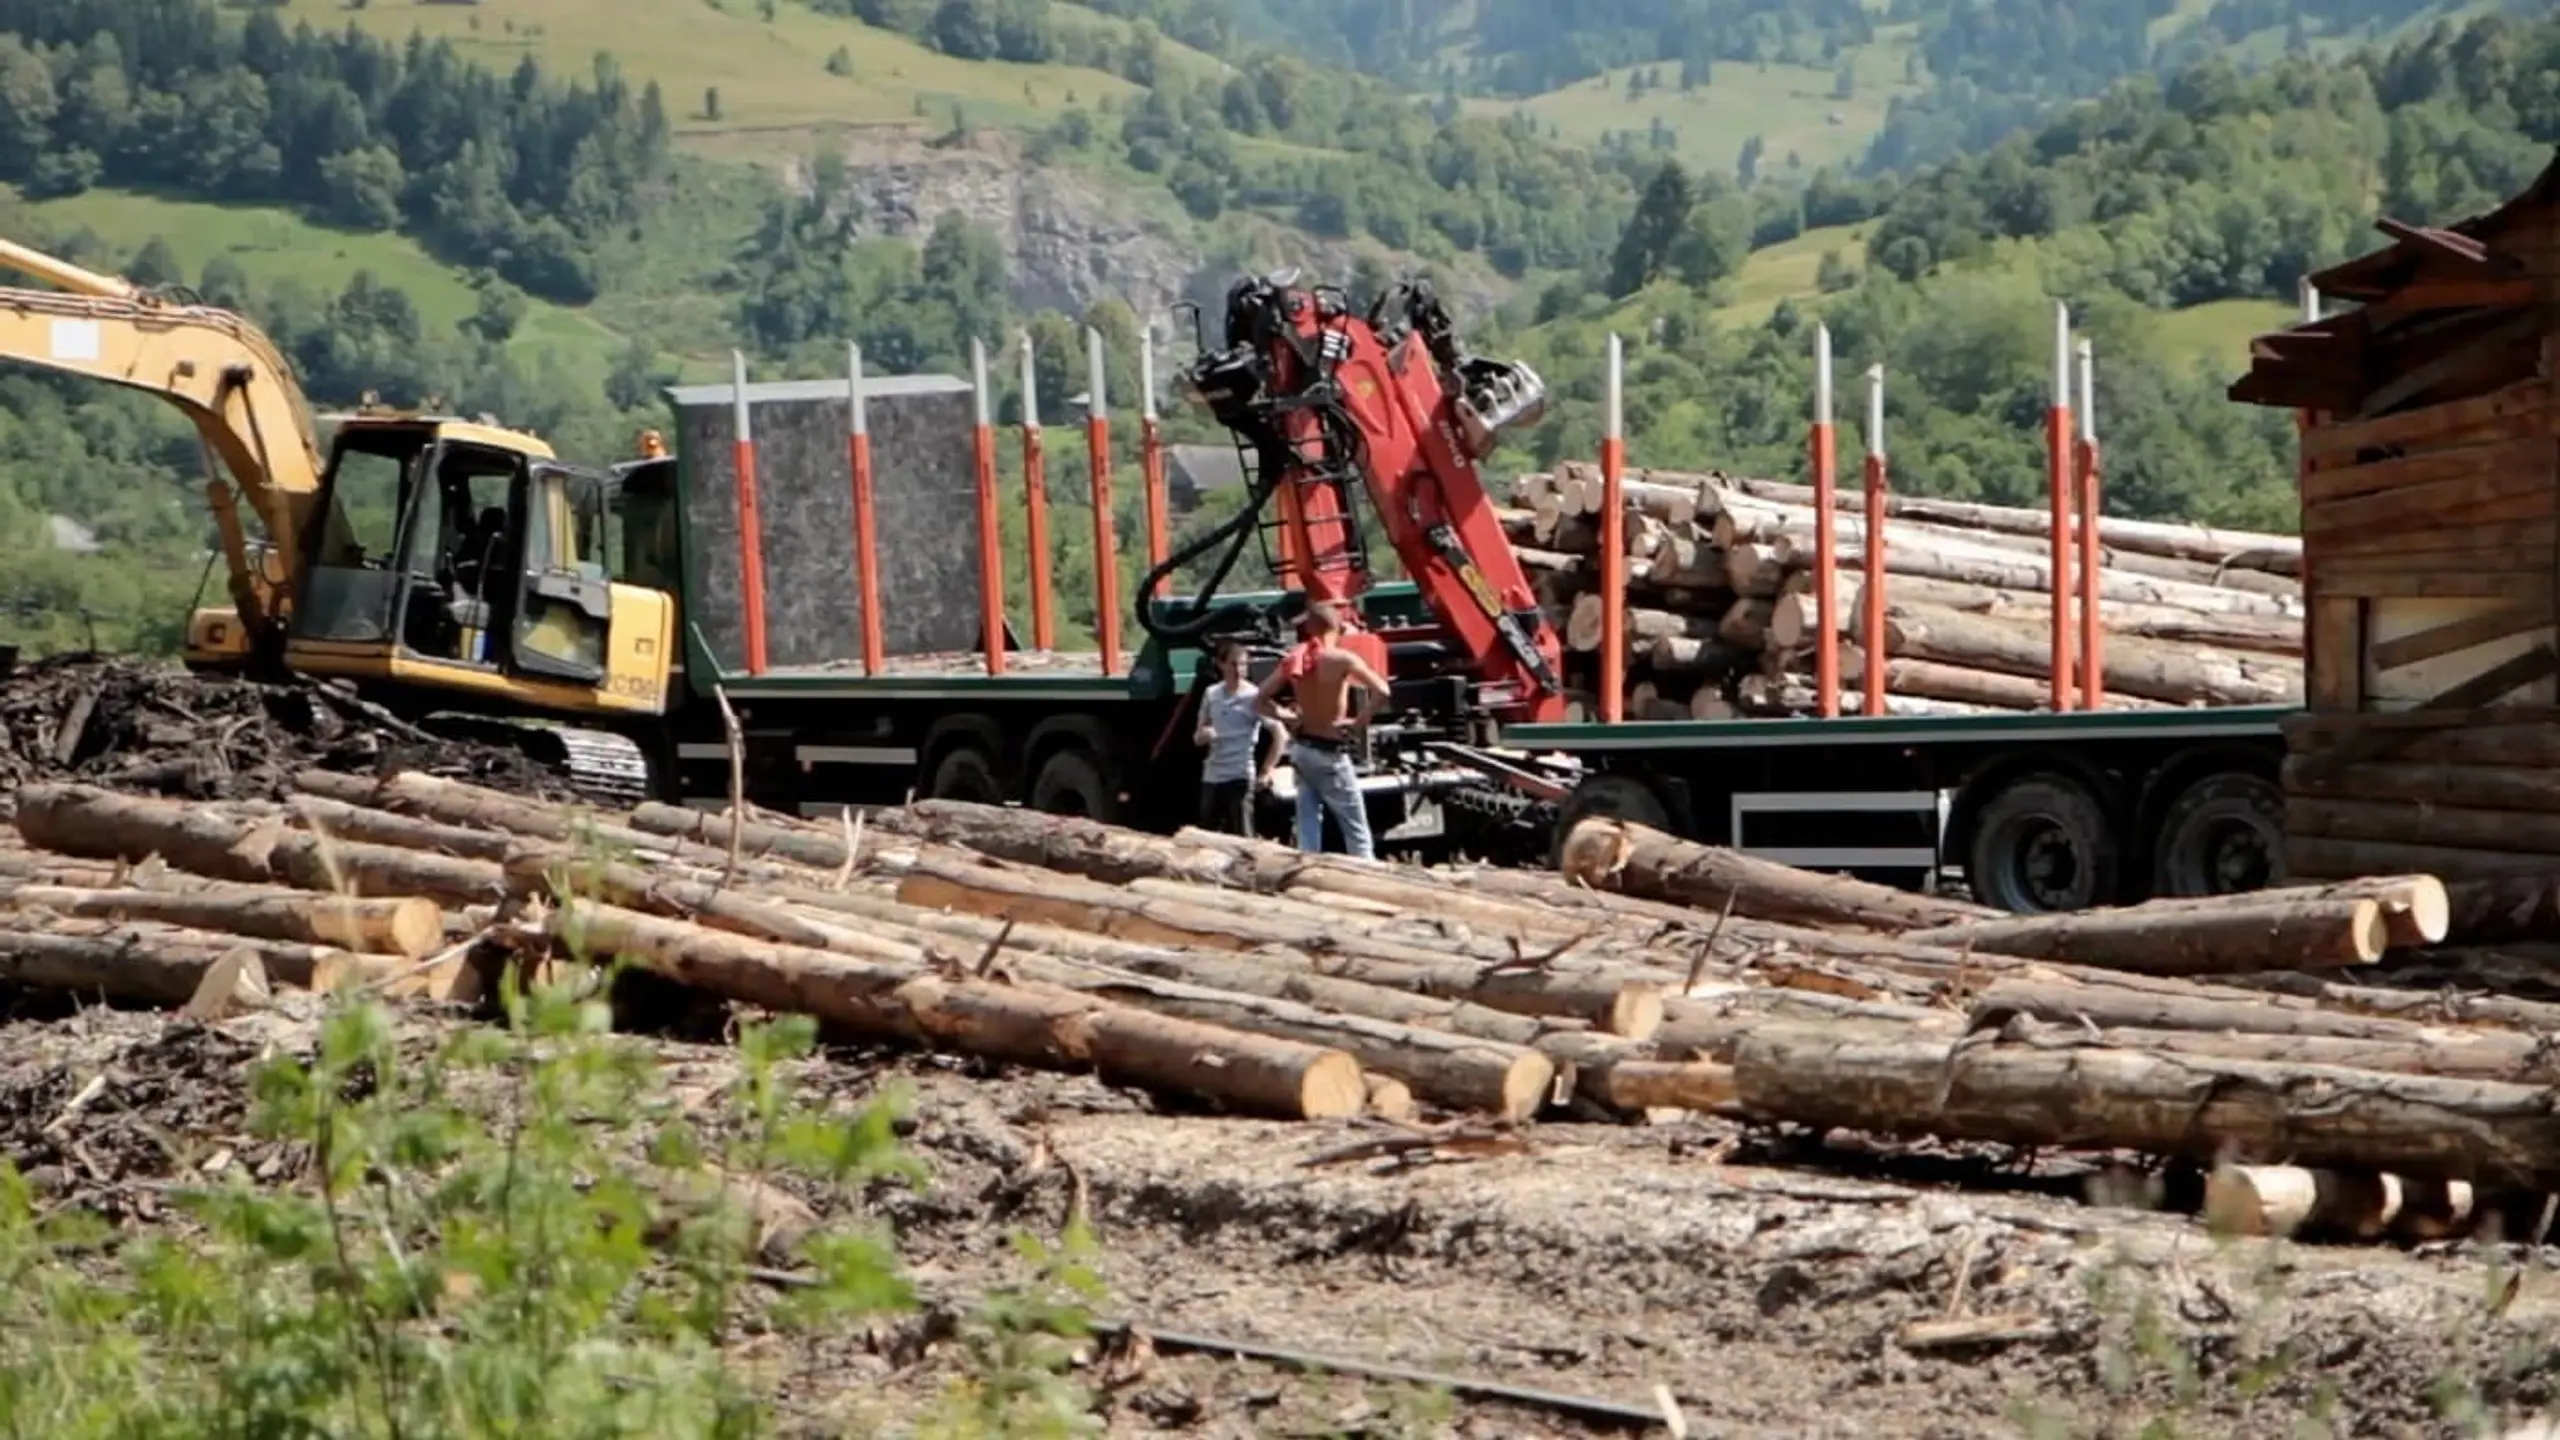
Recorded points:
(1327, 405)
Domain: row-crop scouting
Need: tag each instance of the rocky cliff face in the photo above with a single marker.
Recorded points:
(1074, 239)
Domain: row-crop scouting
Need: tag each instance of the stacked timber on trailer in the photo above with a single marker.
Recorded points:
(2430, 479)
(1723, 608)
(1654, 978)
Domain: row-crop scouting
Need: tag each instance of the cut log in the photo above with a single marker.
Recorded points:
(2420, 1050)
(409, 927)
(2002, 572)
(2416, 909)
(1389, 1098)
(1071, 844)
(2239, 549)
(2292, 1200)
(1604, 997)
(80, 820)
(1026, 1024)
(1644, 625)
(1613, 854)
(1929, 680)
(2108, 1007)
(1795, 542)
(2225, 935)
(2168, 1105)
(154, 964)
(2179, 674)
(1798, 615)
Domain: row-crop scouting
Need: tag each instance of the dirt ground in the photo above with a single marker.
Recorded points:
(1764, 1282)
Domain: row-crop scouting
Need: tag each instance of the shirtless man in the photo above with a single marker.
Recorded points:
(1320, 674)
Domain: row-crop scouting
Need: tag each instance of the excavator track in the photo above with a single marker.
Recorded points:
(600, 766)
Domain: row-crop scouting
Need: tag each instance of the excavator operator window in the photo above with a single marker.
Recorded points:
(562, 619)
(353, 588)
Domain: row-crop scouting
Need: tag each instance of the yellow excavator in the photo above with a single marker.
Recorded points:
(450, 569)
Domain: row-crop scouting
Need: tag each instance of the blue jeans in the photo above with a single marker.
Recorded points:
(1326, 781)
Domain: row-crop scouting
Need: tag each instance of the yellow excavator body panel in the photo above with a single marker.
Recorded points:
(642, 640)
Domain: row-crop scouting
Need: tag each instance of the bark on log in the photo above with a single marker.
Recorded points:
(1024, 837)
(1794, 695)
(410, 927)
(2251, 549)
(156, 964)
(1794, 537)
(2226, 935)
(2179, 674)
(1644, 625)
(1930, 680)
(2484, 787)
(1026, 1024)
(2111, 1008)
(79, 820)
(339, 820)
(2396, 822)
(1606, 998)
(1612, 854)
(2028, 573)
(1798, 616)
(2335, 857)
(2165, 1104)
(2470, 1054)
(470, 807)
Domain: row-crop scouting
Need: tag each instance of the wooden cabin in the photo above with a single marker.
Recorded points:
(2430, 482)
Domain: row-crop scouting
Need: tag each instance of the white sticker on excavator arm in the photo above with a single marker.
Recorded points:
(75, 340)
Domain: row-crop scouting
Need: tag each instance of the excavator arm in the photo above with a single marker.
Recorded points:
(1321, 400)
(217, 367)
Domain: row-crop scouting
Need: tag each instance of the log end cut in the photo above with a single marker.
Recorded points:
(1331, 1087)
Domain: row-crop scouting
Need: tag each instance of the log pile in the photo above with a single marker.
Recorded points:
(1723, 610)
(1651, 978)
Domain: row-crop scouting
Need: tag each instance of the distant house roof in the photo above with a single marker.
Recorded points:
(1193, 470)
(69, 534)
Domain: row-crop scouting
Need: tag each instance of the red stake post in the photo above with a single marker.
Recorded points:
(990, 544)
(1826, 534)
(1035, 505)
(1871, 585)
(2057, 466)
(866, 531)
(1151, 454)
(2093, 663)
(2302, 421)
(1613, 543)
(1106, 558)
(750, 522)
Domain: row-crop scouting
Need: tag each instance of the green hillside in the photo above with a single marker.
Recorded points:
(1797, 111)
(771, 70)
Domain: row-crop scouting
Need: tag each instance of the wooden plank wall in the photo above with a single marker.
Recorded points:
(2432, 537)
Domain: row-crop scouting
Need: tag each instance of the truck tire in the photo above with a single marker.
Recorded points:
(2043, 844)
(2222, 835)
(1620, 797)
(1071, 782)
(965, 773)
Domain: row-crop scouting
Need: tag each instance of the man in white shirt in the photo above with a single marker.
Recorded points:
(1229, 721)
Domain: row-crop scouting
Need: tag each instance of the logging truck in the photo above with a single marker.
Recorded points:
(839, 545)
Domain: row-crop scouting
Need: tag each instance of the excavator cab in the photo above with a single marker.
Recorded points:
(454, 556)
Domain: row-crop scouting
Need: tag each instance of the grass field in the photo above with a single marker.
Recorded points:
(274, 246)
(771, 75)
(2219, 331)
(1786, 272)
(1790, 107)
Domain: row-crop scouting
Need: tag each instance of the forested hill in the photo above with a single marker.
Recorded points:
(2175, 218)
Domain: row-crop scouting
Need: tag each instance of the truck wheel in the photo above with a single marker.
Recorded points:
(2042, 844)
(965, 773)
(1071, 782)
(1620, 797)
(2223, 835)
